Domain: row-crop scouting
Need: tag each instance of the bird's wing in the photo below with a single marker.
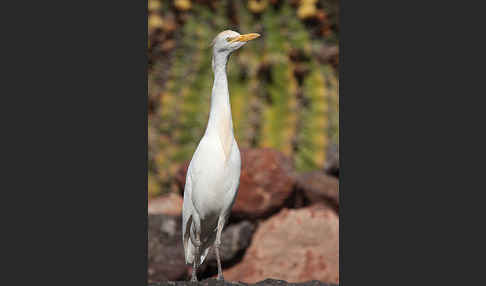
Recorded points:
(187, 210)
(207, 173)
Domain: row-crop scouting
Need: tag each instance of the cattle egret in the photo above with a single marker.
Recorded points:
(214, 171)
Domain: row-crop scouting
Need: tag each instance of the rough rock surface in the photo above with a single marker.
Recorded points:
(234, 239)
(166, 253)
(170, 204)
(266, 182)
(317, 187)
(294, 245)
(165, 250)
(214, 282)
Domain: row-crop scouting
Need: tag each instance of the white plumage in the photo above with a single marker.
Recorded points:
(214, 171)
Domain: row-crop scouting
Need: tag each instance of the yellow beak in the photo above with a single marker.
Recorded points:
(245, 37)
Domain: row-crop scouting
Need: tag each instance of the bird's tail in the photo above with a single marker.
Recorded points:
(190, 253)
(190, 249)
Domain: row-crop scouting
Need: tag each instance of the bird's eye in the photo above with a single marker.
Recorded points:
(229, 39)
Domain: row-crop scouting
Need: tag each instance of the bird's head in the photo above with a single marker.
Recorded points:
(229, 41)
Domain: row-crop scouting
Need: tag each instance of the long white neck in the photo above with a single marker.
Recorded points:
(220, 122)
(220, 113)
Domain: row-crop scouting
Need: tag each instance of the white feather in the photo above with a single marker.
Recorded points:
(214, 171)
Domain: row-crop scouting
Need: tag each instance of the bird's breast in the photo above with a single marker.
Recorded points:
(225, 134)
(215, 177)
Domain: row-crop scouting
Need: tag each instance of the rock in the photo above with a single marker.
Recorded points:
(165, 251)
(266, 182)
(317, 187)
(332, 163)
(294, 245)
(170, 204)
(235, 239)
(266, 282)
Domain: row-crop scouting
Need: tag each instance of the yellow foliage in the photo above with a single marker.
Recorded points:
(307, 9)
(153, 187)
(153, 5)
(257, 6)
(155, 22)
(182, 5)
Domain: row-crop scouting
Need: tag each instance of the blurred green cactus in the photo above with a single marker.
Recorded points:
(283, 86)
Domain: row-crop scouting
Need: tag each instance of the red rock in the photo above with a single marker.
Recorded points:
(266, 182)
(294, 245)
(170, 204)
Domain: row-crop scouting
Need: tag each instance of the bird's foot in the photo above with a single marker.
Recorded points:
(194, 276)
(220, 276)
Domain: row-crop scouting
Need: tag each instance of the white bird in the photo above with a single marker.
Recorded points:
(214, 171)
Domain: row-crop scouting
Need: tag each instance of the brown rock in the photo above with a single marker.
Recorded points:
(294, 245)
(266, 182)
(317, 187)
(170, 204)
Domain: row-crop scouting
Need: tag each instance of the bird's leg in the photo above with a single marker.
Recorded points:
(217, 245)
(195, 264)
(197, 244)
(194, 267)
(220, 272)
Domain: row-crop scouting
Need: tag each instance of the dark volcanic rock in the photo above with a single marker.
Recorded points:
(166, 252)
(266, 282)
(266, 182)
(234, 239)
